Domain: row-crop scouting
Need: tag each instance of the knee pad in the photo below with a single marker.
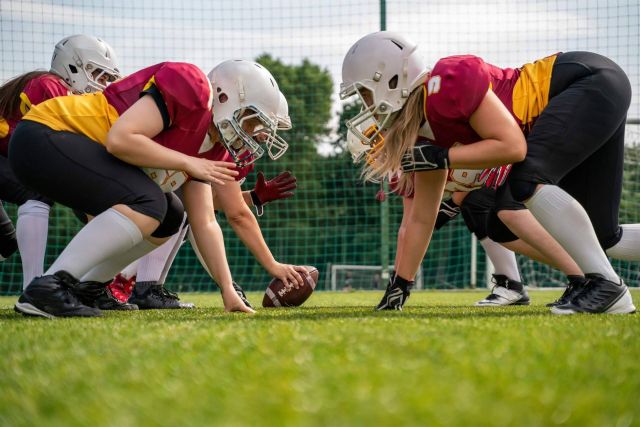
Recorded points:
(522, 190)
(475, 210)
(172, 219)
(498, 231)
(475, 219)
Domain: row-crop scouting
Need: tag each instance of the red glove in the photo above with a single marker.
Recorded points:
(495, 177)
(279, 187)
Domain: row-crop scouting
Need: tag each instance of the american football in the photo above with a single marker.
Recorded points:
(279, 295)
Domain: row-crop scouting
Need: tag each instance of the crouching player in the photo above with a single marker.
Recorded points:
(86, 153)
(80, 64)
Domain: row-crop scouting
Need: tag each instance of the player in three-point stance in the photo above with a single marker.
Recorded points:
(87, 153)
(559, 120)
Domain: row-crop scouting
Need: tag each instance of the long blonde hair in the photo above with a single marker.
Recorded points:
(384, 162)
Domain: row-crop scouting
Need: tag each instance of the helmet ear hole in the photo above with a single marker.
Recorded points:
(222, 98)
(73, 69)
(393, 83)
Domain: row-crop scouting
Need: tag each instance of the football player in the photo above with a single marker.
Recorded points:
(152, 270)
(559, 120)
(80, 64)
(87, 153)
(471, 193)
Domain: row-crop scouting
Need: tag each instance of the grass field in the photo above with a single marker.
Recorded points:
(333, 362)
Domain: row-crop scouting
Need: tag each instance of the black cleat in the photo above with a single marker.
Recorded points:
(397, 293)
(599, 295)
(150, 295)
(52, 296)
(575, 285)
(97, 294)
(505, 292)
(242, 295)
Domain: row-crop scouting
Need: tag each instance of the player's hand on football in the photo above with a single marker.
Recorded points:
(232, 302)
(290, 275)
(211, 171)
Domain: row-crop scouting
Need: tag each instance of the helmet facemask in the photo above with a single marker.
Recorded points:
(379, 113)
(86, 63)
(243, 134)
(248, 111)
(365, 147)
(95, 73)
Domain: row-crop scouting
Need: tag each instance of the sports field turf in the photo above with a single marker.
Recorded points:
(333, 362)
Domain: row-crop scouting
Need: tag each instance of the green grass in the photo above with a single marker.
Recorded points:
(333, 362)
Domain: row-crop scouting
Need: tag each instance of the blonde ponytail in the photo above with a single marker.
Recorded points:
(400, 138)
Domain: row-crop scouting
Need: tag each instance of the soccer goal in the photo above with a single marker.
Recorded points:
(360, 277)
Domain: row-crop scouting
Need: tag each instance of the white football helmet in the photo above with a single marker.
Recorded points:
(382, 68)
(82, 61)
(244, 90)
(284, 121)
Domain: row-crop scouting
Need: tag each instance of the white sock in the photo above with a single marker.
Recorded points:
(503, 260)
(108, 269)
(155, 266)
(130, 270)
(32, 228)
(106, 235)
(567, 221)
(174, 252)
(628, 248)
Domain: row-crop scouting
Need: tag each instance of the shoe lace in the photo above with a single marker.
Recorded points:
(583, 293)
(69, 296)
(167, 294)
(567, 292)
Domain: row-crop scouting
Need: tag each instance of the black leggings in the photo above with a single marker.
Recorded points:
(577, 142)
(12, 190)
(77, 172)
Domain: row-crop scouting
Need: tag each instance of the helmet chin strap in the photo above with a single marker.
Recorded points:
(392, 118)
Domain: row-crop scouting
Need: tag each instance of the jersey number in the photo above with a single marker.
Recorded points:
(433, 85)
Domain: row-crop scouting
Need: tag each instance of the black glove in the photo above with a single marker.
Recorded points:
(397, 293)
(425, 157)
(448, 211)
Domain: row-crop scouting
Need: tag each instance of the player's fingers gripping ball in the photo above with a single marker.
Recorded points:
(279, 294)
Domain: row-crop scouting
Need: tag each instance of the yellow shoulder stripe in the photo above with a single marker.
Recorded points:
(25, 103)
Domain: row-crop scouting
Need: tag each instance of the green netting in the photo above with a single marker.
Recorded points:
(334, 218)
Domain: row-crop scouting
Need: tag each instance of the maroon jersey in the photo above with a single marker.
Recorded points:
(187, 95)
(35, 91)
(458, 84)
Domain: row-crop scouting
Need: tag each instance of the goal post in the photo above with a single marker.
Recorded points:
(360, 277)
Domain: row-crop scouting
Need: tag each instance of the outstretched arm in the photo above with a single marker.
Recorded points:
(246, 227)
(208, 236)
